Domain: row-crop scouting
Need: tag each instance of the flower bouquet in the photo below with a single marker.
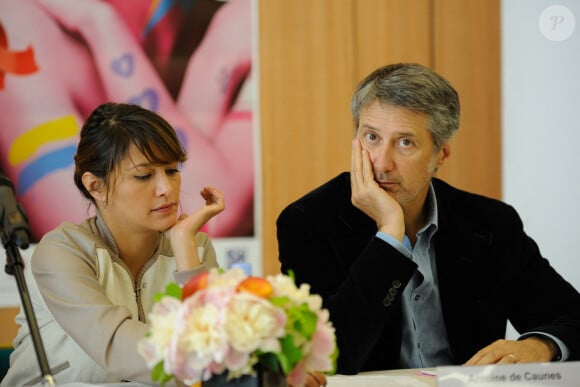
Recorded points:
(226, 322)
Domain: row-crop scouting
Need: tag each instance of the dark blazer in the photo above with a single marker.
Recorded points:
(489, 271)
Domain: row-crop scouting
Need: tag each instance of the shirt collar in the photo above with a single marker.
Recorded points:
(106, 234)
(431, 224)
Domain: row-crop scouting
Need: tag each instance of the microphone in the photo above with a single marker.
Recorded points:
(13, 220)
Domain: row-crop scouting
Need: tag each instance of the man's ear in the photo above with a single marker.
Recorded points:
(443, 154)
(95, 186)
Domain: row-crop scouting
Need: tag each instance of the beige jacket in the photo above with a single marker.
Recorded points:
(90, 310)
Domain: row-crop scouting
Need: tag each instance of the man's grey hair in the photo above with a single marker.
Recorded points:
(415, 87)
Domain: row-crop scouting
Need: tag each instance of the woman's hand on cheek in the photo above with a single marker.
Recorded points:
(189, 225)
(182, 234)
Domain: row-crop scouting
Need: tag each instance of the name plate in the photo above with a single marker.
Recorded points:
(566, 374)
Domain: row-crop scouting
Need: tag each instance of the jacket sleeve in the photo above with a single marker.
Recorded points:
(360, 278)
(490, 271)
(207, 255)
(540, 298)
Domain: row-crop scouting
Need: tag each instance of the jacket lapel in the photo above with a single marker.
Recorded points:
(461, 250)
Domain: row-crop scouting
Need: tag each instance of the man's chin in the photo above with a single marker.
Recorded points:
(399, 196)
(390, 189)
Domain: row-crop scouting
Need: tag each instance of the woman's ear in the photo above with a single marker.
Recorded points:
(95, 186)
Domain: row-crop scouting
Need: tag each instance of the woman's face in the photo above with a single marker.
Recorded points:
(143, 196)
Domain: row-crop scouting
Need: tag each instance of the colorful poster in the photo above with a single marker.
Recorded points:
(188, 60)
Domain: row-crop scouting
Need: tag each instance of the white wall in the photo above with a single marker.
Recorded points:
(541, 125)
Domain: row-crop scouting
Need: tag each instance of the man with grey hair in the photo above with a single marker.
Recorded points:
(416, 273)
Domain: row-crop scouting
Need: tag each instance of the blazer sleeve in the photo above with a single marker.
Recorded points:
(490, 271)
(540, 298)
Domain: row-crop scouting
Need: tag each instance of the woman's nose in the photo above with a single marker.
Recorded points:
(163, 186)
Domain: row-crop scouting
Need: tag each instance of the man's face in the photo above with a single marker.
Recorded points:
(401, 151)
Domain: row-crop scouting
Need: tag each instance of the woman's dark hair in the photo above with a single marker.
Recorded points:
(109, 132)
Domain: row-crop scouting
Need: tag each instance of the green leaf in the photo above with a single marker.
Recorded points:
(279, 301)
(302, 320)
(172, 290)
(158, 374)
(292, 354)
(334, 358)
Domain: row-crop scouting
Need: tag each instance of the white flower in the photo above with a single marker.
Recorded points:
(285, 286)
(253, 322)
(199, 338)
(228, 279)
(203, 333)
(162, 319)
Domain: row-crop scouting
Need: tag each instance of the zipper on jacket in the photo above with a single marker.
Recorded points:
(138, 289)
(140, 286)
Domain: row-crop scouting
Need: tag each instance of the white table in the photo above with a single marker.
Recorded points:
(393, 378)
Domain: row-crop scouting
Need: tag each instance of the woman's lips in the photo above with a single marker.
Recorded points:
(165, 208)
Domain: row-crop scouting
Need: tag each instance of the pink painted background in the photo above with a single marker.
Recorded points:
(188, 60)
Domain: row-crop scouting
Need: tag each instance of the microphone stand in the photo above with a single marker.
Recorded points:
(14, 266)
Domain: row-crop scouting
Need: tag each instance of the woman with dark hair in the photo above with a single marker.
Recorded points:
(92, 284)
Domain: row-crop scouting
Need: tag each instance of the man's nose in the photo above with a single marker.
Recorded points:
(382, 159)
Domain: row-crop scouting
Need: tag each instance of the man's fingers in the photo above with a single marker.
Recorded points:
(367, 167)
(509, 359)
(361, 168)
(356, 167)
(319, 378)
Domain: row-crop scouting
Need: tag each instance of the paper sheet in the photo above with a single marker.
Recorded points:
(376, 380)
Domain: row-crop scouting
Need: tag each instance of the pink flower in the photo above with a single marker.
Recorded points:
(322, 346)
(318, 356)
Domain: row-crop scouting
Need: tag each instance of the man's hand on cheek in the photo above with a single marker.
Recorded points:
(370, 198)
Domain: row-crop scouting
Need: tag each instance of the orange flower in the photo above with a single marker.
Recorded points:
(195, 283)
(257, 286)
